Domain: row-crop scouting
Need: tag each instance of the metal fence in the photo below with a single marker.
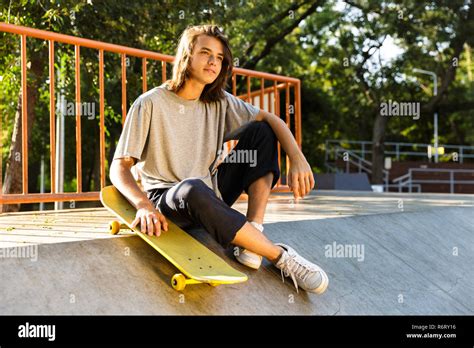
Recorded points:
(290, 86)
(397, 149)
(409, 181)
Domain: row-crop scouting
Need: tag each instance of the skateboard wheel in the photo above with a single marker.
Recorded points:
(178, 282)
(213, 284)
(114, 227)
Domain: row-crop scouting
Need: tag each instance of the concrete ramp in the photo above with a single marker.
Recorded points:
(415, 262)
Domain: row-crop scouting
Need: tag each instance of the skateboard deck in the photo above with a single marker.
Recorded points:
(195, 261)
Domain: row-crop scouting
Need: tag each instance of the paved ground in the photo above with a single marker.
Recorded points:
(384, 254)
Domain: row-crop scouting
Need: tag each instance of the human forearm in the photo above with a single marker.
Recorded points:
(284, 135)
(151, 221)
(123, 180)
(300, 176)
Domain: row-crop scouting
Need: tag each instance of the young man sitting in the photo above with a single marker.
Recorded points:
(175, 133)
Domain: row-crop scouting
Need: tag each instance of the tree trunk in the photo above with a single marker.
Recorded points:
(13, 171)
(13, 179)
(378, 148)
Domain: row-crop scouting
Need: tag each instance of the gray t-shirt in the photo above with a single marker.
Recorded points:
(174, 138)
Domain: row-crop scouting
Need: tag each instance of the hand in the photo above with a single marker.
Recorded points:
(300, 177)
(151, 221)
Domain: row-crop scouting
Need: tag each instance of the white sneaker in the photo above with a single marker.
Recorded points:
(247, 257)
(304, 273)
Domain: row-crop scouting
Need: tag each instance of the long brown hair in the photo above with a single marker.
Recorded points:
(214, 91)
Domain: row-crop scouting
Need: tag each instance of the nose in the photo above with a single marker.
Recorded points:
(212, 59)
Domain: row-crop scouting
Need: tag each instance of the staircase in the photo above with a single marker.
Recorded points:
(408, 176)
(345, 161)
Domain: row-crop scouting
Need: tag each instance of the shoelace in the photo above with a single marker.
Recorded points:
(292, 268)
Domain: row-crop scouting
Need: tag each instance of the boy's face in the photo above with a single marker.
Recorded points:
(206, 62)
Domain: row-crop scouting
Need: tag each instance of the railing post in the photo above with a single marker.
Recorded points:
(41, 206)
(163, 71)
(60, 136)
(102, 118)
(287, 117)
(78, 118)
(410, 179)
(249, 100)
(52, 118)
(124, 87)
(1, 165)
(451, 181)
(24, 117)
(144, 84)
(397, 149)
(461, 154)
(277, 112)
(297, 115)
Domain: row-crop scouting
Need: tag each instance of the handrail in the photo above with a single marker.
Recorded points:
(398, 145)
(400, 187)
(454, 170)
(280, 83)
(136, 52)
(73, 40)
(408, 180)
(361, 160)
(394, 143)
(400, 178)
(353, 154)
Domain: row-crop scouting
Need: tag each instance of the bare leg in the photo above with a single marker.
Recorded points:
(250, 238)
(259, 192)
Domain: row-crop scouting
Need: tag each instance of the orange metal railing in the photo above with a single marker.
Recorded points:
(280, 83)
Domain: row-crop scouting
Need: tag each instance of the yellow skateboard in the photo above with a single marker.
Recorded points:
(197, 263)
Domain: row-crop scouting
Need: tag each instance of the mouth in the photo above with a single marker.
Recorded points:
(210, 71)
